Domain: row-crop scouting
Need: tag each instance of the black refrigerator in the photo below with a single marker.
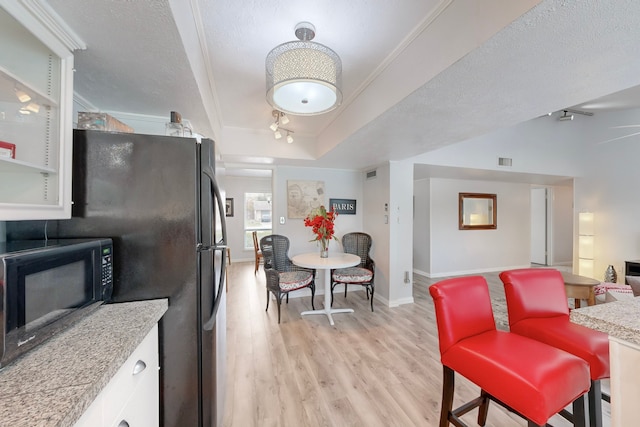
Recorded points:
(158, 199)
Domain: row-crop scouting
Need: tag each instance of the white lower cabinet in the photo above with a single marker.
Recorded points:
(131, 398)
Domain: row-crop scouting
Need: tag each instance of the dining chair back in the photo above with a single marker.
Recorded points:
(257, 252)
(363, 274)
(282, 275)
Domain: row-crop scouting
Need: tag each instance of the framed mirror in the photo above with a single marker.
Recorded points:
(477, 211)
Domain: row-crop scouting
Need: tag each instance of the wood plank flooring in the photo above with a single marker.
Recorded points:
(369, 369)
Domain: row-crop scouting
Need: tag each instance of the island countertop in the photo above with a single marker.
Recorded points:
(619, 319)
(53, 384)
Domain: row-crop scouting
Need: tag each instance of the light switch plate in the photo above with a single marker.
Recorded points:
(281, 220)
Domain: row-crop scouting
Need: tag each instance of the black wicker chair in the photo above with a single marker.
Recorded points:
(283, 276)
(363, 273)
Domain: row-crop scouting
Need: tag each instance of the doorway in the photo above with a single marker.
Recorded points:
(539, 230)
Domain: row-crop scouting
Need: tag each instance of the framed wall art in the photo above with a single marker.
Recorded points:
(343, 206)
(477, 211)
(303, 196)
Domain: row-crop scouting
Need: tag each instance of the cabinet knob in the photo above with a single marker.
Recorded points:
(139, 367)
(123, 423)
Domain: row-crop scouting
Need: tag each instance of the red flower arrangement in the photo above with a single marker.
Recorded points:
(321, 222)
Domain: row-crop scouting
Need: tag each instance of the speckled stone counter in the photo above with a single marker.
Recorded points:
(55, 383)
(620, 319)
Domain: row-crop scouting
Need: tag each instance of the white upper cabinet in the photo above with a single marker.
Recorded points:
(36, 97)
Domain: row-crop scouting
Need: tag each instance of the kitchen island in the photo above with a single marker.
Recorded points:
(621, 320)
(55, 383)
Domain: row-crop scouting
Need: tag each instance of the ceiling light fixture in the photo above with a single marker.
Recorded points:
(304, 77)
(565, 116)
(22, 96)
(33, 107)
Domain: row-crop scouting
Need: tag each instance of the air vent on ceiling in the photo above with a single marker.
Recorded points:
(371, 174)
(505, 161)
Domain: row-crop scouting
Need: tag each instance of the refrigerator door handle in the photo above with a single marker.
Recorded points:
(209, 324)
(215, 194)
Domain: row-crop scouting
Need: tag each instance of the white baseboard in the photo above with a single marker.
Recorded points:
(468, 272)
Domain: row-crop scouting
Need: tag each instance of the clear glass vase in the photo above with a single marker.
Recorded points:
(324, 249)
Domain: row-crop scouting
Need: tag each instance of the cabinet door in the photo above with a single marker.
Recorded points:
(92, 416)
(36, 98)
(132, 396)
(143, 409)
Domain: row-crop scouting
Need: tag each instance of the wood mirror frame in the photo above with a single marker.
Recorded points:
(477, 211)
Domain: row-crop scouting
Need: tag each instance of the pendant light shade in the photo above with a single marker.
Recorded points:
(304, 77)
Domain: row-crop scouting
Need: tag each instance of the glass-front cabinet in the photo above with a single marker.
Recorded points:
(36, 79)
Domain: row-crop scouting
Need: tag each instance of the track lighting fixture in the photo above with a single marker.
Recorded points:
(280, 118)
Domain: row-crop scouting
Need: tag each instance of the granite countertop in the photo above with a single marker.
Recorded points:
(620, 319)
(53, 384)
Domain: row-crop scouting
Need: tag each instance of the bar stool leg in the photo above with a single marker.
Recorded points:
(595, 404)
(580, 411)
(448, 386)
(483, 409)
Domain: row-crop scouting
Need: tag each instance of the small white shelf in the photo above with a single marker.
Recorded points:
(12, 165)
(36, 95)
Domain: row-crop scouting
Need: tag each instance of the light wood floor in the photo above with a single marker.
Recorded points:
(370, 369)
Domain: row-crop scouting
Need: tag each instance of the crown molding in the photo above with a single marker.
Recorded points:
(48, 17)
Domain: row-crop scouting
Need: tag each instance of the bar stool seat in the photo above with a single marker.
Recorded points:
(538, 309)
(571, 337)
(508, 367)
(528, 377)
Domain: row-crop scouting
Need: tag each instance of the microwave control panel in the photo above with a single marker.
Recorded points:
(107, 272)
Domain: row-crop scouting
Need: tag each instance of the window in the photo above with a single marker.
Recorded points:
(257, 216)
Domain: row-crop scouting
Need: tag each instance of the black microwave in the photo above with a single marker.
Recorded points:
(45, 286)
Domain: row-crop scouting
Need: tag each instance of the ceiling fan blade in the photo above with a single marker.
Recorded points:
(620, 137)
(624, 126)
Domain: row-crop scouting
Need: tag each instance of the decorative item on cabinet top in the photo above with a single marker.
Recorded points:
(7, 149)
(101, 121)
(610, 275)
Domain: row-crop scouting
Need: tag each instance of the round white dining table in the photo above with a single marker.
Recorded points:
(335, 260)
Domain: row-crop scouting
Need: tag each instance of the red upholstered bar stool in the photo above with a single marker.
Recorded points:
(538, 309)
(526, 376)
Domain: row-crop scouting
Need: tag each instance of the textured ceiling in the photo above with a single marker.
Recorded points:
(418, 75)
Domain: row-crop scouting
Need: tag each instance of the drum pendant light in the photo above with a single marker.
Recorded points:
(304, 77)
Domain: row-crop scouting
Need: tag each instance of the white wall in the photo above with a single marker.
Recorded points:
(400, 233)
(455, 251)
(235, 187)
(338, 184)
(562, 225)
(376, 223)
(606, 173)
(608, 190)
(421, 229)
